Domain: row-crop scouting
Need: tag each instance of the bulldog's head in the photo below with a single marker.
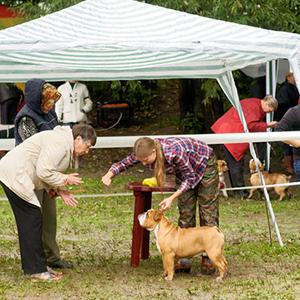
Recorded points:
(150, 218)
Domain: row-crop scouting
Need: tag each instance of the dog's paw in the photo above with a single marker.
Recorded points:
(168, 278)
(219, 279)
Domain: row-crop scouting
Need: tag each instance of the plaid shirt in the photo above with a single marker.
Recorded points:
(185, 157)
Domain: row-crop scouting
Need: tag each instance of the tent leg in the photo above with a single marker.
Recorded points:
(269, 206)
(269, 225)
(228, 86)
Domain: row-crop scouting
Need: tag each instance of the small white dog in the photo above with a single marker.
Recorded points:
(222, 168)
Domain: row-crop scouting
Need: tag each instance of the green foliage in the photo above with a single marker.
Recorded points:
(270, 14)
(192, 123)
(211, 90)
(33, 9)
(138, 95)
(243, 83)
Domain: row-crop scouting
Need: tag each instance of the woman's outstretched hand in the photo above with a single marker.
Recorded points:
(166, 204)
(106, 179)
(68, 198)
(73, 179)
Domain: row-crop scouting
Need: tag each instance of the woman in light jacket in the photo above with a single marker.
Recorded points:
(34, 165)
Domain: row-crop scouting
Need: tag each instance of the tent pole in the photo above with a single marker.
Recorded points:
(271, 90)
(269, 225)
(231, 91)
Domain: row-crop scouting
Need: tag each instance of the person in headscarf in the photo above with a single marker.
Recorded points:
(38, 115)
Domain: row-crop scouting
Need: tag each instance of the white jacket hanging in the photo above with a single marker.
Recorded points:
(73, 104)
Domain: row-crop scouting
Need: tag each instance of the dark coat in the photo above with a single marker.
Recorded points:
(287, 97)
(32, 109)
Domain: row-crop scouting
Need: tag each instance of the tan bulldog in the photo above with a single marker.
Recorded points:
(175, 242)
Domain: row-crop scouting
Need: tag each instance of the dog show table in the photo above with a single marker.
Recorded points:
(142, 202)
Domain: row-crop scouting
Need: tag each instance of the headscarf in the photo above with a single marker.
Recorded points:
(50, 95)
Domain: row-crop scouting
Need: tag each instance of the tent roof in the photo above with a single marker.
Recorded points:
(126, 39)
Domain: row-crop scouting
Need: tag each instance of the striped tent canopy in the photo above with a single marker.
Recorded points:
(126, 39)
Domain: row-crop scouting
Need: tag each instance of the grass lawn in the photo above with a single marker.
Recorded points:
(96, 237)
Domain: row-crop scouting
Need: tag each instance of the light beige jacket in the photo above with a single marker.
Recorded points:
(37, 163)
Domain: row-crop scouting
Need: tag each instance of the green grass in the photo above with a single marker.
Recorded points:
(96, 236)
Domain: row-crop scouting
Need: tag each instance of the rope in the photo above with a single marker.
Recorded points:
(112, 126)
(262, 186)
(102, 195)
(80, 196)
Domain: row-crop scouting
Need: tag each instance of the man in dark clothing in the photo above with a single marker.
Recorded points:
(288, 96)
(38, 115)
(291, 122)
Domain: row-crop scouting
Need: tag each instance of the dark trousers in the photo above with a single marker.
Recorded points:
(236, 168)
(29, 224)
(50, 246)
(236, 171)
(261, 151)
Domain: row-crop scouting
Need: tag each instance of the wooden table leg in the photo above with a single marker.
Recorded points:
(146, 233)
(137, 229)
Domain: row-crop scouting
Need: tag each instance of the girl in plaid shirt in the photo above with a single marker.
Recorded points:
(195, 168)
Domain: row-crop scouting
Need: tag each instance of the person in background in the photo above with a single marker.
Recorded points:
(197, 180)
(255, 111)
(35, 116)
(74, 103)
(11, 101)
(287, 97)
(38, 164)
(291, 122)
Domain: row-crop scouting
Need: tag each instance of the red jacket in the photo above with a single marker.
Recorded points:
(230, 123)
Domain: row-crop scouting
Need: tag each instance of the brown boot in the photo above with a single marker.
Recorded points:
(207, 267)
(288, 164)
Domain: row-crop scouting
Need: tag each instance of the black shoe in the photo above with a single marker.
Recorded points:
(61, 264)
(241, 195)
(183, 266)
(207, 267)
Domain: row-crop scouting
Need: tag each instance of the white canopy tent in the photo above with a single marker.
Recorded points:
(125, 39)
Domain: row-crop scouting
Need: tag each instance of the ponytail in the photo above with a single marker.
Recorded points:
(159, 166)
(143, 147)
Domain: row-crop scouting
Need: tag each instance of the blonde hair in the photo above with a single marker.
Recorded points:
(143, 147)
(271, 102)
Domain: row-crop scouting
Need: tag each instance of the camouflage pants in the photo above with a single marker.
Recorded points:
(206, 193)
